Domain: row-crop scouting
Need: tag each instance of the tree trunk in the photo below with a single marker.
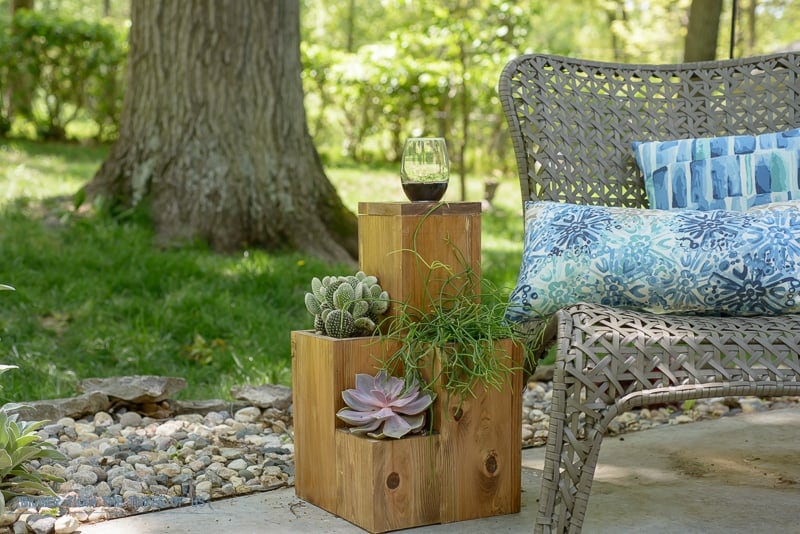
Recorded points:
(751, 27)
(213, 132)
(16, 5)
(701, 37)
(615, 12)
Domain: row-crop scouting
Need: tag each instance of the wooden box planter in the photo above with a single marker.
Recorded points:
(388, 232)
(323, 367)
(470, 467)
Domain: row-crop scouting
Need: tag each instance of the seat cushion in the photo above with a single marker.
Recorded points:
(732, 172)
(712, 262)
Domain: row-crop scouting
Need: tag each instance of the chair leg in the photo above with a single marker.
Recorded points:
(573, 448)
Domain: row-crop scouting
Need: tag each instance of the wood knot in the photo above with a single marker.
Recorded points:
(491, 463)
(457, 414)
(393, 481)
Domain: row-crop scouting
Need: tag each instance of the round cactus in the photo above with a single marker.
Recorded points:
(340, 323)
(358, 300)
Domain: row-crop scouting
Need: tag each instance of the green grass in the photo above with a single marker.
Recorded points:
(95, 297)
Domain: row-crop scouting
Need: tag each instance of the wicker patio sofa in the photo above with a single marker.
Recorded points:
(572, 123)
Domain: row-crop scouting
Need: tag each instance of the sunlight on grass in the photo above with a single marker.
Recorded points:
(27, 170)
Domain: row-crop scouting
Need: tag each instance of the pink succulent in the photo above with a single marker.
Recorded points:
(381, 406)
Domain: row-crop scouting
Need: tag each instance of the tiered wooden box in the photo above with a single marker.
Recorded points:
(470, 466)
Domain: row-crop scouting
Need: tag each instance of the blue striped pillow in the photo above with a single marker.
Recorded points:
(732, 172)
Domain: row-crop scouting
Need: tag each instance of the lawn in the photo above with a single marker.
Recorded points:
(95, 298)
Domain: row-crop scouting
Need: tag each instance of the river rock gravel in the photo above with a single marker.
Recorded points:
(124, 464)
(120, 464)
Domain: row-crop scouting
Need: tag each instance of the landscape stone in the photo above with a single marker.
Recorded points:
(41, 524)
(85, 478)
(103, 419)
(136, 389)
(264, 396)
(8, 518)
(205, 407)
(66, 524)
(130, 419)
(247, 415)
(57, 409)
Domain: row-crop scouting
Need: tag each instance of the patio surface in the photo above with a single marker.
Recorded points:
(731, 475)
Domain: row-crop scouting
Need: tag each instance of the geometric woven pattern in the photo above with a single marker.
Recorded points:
(572, 123)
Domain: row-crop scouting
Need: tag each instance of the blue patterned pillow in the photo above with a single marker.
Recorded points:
(684, 261)
(733, 172)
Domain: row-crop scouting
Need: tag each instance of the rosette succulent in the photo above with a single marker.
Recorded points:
(382, 406)
(346, 306)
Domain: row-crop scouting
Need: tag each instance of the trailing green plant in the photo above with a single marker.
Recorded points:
(384, 406)
(459, 328)
(449, 339)
(346, 306)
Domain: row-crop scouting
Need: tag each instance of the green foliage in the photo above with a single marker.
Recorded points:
(378, 72)
(63, 69)
(434, 72)
(460, 329)
(19, 444)
(448, 339)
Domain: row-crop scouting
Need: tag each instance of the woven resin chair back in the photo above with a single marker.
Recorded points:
(572, 121)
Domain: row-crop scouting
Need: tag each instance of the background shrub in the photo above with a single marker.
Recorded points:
(58, 69)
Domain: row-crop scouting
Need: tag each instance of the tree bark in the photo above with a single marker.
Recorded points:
(701, 37)
(213, 135)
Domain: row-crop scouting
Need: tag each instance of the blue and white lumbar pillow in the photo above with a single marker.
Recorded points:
(731, 172)
(683, 261)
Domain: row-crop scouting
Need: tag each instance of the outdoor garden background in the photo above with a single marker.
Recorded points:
(95, 293)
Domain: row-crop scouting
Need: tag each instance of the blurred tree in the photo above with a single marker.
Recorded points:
(16, 5)
(213, 136)
(701, 37)
(13, 96)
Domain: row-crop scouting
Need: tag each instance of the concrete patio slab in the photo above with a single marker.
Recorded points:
(739, 474)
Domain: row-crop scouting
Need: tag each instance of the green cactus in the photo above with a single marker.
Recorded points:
(345, 306)
(313, 305)
(340, 323)
(359, 308)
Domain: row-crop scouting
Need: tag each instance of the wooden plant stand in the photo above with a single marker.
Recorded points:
(470, 466)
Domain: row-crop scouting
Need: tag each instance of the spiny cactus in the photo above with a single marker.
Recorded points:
(346, 306)
(381, 406)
